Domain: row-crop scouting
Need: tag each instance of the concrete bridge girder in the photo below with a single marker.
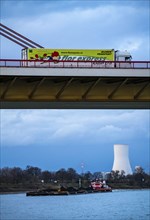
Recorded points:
(59, 89)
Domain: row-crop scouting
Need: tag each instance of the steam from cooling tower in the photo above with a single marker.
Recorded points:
(121, 159)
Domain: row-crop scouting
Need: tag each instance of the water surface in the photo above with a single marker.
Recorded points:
(116, 205)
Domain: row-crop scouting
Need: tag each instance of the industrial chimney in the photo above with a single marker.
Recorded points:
(121, 159)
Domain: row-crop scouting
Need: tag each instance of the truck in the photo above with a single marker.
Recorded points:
(76, 57)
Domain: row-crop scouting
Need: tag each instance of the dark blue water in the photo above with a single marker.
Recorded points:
(118, 205)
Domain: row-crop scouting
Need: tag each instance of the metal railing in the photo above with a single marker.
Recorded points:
(74, 64)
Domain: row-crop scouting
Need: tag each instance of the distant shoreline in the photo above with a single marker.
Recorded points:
(25, 191)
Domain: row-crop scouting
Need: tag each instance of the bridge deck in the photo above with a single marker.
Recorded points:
(74, 88)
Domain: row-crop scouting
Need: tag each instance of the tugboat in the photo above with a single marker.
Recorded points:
(100, 186)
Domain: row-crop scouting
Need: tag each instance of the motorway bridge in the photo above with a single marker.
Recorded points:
(80, 85)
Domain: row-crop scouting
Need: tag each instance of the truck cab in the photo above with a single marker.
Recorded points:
(124, 58)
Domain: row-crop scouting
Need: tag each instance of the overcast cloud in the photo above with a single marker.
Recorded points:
(80, 24)
(41, 126)
(93, 132)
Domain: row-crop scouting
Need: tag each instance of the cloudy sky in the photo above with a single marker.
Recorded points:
(54, 139)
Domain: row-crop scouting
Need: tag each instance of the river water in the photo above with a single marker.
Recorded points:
(116, 205)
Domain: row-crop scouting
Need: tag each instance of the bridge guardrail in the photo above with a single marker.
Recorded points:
(74, 64)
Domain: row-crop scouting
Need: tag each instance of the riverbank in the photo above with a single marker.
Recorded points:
(68, 188)
(19, 191)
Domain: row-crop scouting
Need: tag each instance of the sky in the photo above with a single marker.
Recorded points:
(55, 139)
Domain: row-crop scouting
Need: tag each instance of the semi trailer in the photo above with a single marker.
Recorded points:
(80, 57)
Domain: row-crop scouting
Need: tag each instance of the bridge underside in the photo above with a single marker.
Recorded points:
(77, 92)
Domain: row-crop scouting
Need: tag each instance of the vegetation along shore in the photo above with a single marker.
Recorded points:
(33, 179)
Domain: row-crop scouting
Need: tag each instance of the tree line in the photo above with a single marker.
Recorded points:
(17, 179)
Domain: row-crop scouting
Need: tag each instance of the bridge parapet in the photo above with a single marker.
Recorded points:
(74, 64)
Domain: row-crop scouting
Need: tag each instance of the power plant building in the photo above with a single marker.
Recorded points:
(121, 159)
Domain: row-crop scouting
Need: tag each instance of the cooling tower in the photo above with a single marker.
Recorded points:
(121, 159)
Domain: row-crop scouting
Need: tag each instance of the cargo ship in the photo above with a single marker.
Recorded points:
(95, 187)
